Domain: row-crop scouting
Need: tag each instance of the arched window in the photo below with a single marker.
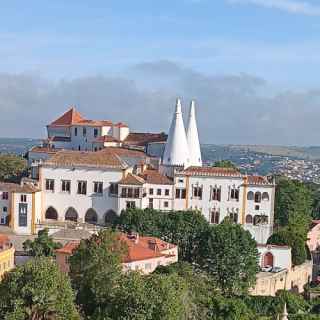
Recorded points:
(268, 260)
(71, 215)
(91, 217)
(249, 219)
(51, 214)
(234, 217)
(265, 196)
(109, 217)
(257, 197)
(250, 195)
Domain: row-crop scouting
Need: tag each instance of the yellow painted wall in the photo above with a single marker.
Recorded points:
(6, 261)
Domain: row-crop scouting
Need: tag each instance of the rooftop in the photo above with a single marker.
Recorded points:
(211, 171)
(15, 187)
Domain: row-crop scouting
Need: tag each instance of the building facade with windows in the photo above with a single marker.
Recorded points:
(6, 255)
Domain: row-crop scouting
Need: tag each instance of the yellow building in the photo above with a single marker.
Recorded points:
(6, 255)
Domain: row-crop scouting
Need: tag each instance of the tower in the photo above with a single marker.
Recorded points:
(176, 152)
(193, 138)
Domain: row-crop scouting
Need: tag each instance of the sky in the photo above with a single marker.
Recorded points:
(251, 65)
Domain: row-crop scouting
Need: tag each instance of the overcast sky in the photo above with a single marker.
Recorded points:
(252, 66)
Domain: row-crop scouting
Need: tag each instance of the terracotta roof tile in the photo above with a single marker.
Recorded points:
(142, 139)
(260, 180)
(69, 247)
(72, 116)
(14, 187)
(44, 150)
(211, 171)
(131, 179)
(106, 139)
(153, 176)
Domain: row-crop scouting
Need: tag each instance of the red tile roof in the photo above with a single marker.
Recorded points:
(211, 171)
(72, 116)
(139, 248)
(14, 187)
(131, 179)
(260, 180)
(142, 139)
(44, 150)
(153, 176)
(106, 139)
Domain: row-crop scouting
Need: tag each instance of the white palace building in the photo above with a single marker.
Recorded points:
(88, 171)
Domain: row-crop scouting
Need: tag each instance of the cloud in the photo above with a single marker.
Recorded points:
(290, 6)
(234, 108)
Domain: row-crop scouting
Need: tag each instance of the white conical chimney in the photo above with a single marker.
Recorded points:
(193, 138)
(285, 313)
(176, 152)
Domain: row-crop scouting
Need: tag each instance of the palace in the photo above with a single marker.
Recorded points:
(88, 171)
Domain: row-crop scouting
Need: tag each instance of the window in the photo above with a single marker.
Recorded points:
(84, 131)
(65, 186)
(23, 198)
(180, 180)
(250, 195)
(23, 214)
(131, 205)
(197, 192)
(215, 216)
(75, 131)
(151, 191)
(265, 196)
(158, 192)
(5, 209)
(166, 204)
(136, 193)
(257, 197)
(95, 132)
(123, 192)
(216, 194)
(5, 196)
(150, 203)
(79, 148)
(82, 187)
(98, 187)
(167, 192)
(234, 217)
(130, 193)
(113, 188)
(50, 185)
(256, 207)
(249, 219)
(181, 193)
(234, 194)
(260, 219)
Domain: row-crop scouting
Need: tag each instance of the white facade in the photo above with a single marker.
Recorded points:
(279, 255)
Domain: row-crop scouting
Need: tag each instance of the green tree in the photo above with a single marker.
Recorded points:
(95, 269)
(290, 237)
(37, 290)
(293, 201)
(11, 167)
(43, 245)
(225, 164)
(230, 256)
(184, 228)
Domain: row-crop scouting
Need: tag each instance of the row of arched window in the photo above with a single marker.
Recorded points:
(258, 196)
(72, 215)
(257, 219)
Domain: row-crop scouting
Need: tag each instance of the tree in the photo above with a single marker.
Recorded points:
(37, 290)
(225, 164)
(95, 269)
(290, 237)
(184, 228)
(293, 200)
(43, 245)
(11, 167)
(229, 254)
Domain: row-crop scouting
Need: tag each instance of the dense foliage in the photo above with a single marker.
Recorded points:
(12, 167)
(43, 245)
(37, 291)
(225, 164)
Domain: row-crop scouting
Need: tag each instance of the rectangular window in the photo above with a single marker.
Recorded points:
(5, 196)
(136, 192)
(98, 187)
(82, 187)
(216, 194)
(5, 209)
(113, 188)
(234, 194)
(166, 204)
(65, 186)
(50, 185)
(151, 191)
(159, 192)
(167, 192)
(131, 205)
(197, 192)
(23, 214)
(150, 203)
(215, 217)
(23, 198)
(130, 193)
(123, 192)
(84, 131)
(75, 131)
(95, 132)
(181, 193)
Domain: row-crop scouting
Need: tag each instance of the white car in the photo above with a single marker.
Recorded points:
(266, 269)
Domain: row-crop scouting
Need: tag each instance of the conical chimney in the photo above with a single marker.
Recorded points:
(176, 152)
(193, 138)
